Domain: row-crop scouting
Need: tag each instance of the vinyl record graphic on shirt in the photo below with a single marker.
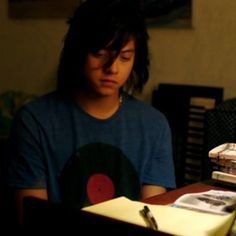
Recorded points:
(98, 172)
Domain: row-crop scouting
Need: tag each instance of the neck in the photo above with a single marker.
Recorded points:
(101, 107)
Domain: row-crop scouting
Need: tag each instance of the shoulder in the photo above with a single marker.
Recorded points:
(42, 107)
(142, 109)
(44, 103)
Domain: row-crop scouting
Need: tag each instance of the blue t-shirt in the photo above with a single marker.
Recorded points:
(54, 143)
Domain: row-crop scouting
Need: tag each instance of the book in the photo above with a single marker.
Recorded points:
(224, 151)
(171, 220)
(224, 158)
(223, 176)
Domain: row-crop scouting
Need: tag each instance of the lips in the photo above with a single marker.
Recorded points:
(108, 82)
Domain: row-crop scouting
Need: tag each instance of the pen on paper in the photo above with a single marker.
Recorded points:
(149, 218)
(230, 208)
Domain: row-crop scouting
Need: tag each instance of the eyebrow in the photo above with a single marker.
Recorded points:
(128, 50)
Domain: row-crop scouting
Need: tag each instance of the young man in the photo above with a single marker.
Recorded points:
(91, 140)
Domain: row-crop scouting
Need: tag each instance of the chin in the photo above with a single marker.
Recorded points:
(108, 92)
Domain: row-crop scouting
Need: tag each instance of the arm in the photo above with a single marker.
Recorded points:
(19, 197)
(151, 190)
(159, 168)
(25, 168)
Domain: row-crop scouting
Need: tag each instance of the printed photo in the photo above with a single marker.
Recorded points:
(168, 13)
(42, 8)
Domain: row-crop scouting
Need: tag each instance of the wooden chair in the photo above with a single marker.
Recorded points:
(185, 107)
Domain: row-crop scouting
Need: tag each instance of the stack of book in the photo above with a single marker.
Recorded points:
(223, 158)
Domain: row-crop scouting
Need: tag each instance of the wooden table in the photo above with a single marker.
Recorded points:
(171, 196)
(43, 216)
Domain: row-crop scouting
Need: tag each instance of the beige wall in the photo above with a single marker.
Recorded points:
(29, 50)
(203, 55)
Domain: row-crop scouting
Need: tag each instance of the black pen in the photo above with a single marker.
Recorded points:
(149, 218)
(230, 208)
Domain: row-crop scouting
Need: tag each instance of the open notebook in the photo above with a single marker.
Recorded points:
(171, 220)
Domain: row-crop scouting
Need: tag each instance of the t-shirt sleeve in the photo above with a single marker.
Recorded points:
(159, 168)
(26, 167)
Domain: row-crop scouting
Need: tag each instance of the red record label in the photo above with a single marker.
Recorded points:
(100, 188)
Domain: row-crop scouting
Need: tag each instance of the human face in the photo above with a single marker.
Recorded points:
(106, 80)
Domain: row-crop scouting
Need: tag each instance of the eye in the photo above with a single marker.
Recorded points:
(100, 54)
(126, 56)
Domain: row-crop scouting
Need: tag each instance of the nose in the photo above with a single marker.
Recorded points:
(111, 67)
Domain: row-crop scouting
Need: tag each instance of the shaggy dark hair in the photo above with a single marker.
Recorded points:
(99, 24)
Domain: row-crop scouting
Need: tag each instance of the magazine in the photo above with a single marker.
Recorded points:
(212, 201)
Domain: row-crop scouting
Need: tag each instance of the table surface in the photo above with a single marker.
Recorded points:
(42, 215)
(171, 196)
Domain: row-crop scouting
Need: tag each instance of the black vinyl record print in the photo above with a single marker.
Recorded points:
(98, 172)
